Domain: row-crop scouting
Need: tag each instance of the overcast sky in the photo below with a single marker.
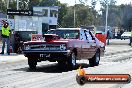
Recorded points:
(72, 2)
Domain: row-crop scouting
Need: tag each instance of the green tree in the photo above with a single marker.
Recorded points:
(126, 16)
(84, 16)
(62, 12)
(34, 3)
(113, 13)
(3, 6)
(93, 3)
(68, 17)
(12, 4)
(49, 3)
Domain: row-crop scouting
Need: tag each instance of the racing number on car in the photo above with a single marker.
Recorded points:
(44, 55)
(41, 55)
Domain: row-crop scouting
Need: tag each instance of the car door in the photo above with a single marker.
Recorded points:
(85, 46)
(91, 41)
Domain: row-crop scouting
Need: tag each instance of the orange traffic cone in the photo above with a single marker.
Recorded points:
(81, 72)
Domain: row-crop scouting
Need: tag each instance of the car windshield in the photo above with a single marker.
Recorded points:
(66, 34)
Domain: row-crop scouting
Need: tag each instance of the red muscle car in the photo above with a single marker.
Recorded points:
(64, 45)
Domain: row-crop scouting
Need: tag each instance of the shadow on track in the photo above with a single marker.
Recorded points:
(51, 68)
(12, 54)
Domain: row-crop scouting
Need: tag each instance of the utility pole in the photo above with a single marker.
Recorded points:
(7, 8)
(106, 25)
(17, 4)
(75, 14)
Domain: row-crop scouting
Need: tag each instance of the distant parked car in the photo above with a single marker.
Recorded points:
(117, 36)
(125, 35)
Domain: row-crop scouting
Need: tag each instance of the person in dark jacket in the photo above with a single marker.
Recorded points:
(108, 37)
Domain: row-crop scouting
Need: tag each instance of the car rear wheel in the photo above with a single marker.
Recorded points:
(32, 63)
(72, 61)
(95, 60)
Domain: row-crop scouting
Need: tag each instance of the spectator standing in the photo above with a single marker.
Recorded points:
(5, 37)
(131, 39)
(108, 37)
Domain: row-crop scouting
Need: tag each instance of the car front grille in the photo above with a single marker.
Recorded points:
(45, 47)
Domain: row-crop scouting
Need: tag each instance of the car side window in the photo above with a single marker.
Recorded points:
(82, 35)
(88, 36)
(93, 38)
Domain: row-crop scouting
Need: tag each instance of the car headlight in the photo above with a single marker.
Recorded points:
(62, 47)
(27, 47)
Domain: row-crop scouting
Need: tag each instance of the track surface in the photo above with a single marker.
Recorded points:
(15, 73)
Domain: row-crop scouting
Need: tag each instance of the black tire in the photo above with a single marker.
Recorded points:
(62, 64)
(72, 61)
(95, 60)
(32, 63)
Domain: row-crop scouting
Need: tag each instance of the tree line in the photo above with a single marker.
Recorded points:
(119, 15)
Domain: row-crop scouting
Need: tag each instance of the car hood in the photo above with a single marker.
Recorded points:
(49, 38)
(60, 41)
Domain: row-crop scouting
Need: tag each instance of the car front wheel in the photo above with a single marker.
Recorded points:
(95, 60)
(72, 61)
(32, 63)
